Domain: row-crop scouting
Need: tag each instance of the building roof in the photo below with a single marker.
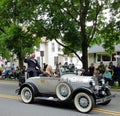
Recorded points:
(99, 48)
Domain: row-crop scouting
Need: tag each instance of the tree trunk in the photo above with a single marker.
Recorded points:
(20, 62)
(85, 55)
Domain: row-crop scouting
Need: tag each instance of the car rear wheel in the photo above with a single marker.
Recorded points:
(84, 102)
(63, 91)
(27, 95)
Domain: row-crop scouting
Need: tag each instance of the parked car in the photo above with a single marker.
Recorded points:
(84, 91)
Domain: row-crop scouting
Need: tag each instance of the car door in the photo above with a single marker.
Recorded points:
(48, 84)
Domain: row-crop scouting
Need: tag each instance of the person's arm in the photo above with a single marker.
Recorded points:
(27, 57)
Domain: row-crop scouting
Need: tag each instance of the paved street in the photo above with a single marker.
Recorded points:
(11, 105)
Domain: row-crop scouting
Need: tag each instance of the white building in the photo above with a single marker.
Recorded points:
(50, 52)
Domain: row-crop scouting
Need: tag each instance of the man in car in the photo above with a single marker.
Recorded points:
(33, 67)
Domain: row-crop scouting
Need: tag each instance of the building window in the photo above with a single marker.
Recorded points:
(53, 47)
(59, 48)
(55, 60)
(99, 57)
(105, 58)
(37, 49)
(66, 59)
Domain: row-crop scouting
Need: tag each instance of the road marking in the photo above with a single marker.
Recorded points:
(8, 96)
(114, 113)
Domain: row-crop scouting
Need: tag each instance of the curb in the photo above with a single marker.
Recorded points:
(115, 90)
(2, 80)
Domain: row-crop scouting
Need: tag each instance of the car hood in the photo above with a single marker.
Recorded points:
(76, 78)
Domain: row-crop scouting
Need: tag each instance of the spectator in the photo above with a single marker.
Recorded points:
(7, 69)
(13, 66)
(91, 69)
(116, 75)
(101, 67)
(84, 73)
(57, 70)
(1, 69)
(71, 67)
(107, 76)
(23, 70)
(76, 71)
(11, 74)
(17, 72)
(97, 74)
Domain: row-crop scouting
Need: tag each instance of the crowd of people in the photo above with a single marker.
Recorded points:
(110, 73)
(9, 72)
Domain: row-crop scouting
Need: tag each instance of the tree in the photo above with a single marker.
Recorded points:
(19, 42)
(78, 23)
(14, 36)
(69, 20)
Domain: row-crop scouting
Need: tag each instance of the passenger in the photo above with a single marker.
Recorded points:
(33, 65)
(44, 66)
(49, 71)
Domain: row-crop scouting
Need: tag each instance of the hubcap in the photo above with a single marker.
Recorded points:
(83, 102)
(27, 94)
(64, 91)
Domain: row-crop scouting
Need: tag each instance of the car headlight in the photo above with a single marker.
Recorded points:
(92, 83)
(102, 81)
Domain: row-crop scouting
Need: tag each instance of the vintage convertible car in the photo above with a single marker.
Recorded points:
(84, 91)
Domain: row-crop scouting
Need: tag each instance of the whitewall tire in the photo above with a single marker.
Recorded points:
(63, 91)
(27, 95)
(84, 102)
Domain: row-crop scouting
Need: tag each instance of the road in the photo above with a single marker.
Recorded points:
(11, 105)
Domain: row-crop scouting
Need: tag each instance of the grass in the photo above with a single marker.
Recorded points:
(115, 86)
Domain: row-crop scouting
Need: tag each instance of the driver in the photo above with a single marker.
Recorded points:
(33, 66)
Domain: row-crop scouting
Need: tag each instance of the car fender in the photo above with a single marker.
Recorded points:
(32, 86)
(83, 89)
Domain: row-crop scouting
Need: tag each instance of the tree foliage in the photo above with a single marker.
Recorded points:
(78, 23)
(15, 35)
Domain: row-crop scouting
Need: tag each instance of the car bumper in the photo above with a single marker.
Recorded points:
(17, 91)
(102, 100)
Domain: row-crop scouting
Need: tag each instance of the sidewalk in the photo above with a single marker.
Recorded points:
(115, 90)
(10, 80)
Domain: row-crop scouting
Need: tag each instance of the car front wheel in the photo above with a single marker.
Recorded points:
(27, 95)
(84, 102)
